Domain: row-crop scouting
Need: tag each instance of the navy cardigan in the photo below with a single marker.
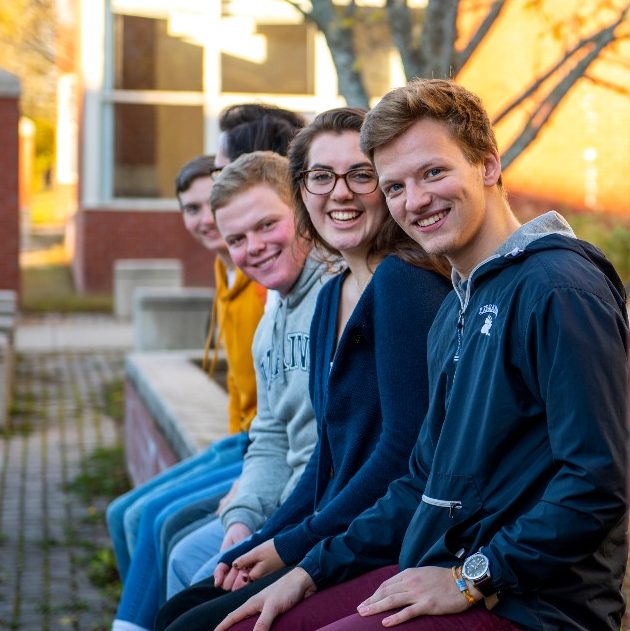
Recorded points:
(370, 396)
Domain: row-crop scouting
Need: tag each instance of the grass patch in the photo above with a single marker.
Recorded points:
(103, 573)
(114, 395)
(22, 409)
(103, 475)
(50, 289)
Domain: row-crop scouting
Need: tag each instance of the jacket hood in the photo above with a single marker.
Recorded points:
(548, 231)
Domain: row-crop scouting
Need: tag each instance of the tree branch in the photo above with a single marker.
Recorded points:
(400, 20)
(550, 103)
(297, 7)
(534, 87)
(464, 55)
(338, 34)
(608, 85)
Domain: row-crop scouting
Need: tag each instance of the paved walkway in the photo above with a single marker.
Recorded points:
(46, 531)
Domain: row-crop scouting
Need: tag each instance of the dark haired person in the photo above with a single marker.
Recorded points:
(513, 514)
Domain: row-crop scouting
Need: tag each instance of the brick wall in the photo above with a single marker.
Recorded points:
(147, 452)
(9, 183)
(102, 236)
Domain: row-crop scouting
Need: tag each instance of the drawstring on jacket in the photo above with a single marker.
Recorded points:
(278, 335)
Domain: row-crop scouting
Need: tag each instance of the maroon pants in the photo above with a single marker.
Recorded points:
(334, 609)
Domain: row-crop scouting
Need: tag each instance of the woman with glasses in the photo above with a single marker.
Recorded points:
(368, 381)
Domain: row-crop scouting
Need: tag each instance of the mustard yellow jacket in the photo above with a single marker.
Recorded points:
(236, 311)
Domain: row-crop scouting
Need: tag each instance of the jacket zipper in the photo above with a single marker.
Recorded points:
(450, 504)
(460, 333)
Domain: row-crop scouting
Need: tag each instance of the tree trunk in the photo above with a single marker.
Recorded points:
(437, 42)
(338, 33)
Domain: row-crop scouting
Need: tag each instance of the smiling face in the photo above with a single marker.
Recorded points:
(197, 214)
(259, 230)
(347, 221)
(441, 200)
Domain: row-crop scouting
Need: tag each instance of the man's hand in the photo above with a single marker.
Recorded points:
(235, 533)
(227, 498)
(256, 563)
(274, 600)
(420, 591)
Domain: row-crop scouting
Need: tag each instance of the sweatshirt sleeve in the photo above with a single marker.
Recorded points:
(574, 354)
(409, 298)
(265, 469)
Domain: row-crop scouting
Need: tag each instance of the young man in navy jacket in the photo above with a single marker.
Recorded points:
(516, 494)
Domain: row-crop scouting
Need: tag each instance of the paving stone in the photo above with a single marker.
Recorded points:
(59, 393)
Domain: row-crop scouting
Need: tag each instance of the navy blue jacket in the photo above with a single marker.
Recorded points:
(523, 452)
(370, 396)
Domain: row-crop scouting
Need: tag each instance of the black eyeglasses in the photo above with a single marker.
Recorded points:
(215, 172)
(323, 181)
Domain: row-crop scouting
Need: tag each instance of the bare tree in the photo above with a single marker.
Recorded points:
(336, 23)
(434, 50)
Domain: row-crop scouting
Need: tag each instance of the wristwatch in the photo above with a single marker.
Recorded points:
(476, 569)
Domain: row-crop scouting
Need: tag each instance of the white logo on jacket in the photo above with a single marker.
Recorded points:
(493, 312)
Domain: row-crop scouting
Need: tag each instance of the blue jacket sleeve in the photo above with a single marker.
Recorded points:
(372, 540)
(574, 347)
(405, 303)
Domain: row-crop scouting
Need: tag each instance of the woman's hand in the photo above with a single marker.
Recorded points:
(274, 600)
(420, 591)
(255, 564)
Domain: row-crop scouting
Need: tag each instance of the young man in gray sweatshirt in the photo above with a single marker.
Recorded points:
(252, 204)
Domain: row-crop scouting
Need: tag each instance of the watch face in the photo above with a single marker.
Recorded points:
(475, 566)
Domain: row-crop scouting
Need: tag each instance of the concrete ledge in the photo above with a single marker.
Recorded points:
(129, 274)
(172, 410)
(170, 318)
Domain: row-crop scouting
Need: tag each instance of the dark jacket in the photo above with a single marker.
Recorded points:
(370, 396)
(523, 452)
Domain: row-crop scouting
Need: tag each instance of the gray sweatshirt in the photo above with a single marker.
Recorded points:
(283, 433)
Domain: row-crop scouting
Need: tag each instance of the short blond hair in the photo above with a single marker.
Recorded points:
(252, 169)
(442, 100)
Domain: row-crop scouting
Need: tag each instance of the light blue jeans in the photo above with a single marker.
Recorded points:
(195, 557)
(124, 513)
(140, 598)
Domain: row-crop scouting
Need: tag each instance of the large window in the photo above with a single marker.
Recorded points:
(151, 142)
(287, 66)
(160, 103)
(147, 58)
(156, 120)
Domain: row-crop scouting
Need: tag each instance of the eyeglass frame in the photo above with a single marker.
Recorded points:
(304, 174)
(214, 172)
